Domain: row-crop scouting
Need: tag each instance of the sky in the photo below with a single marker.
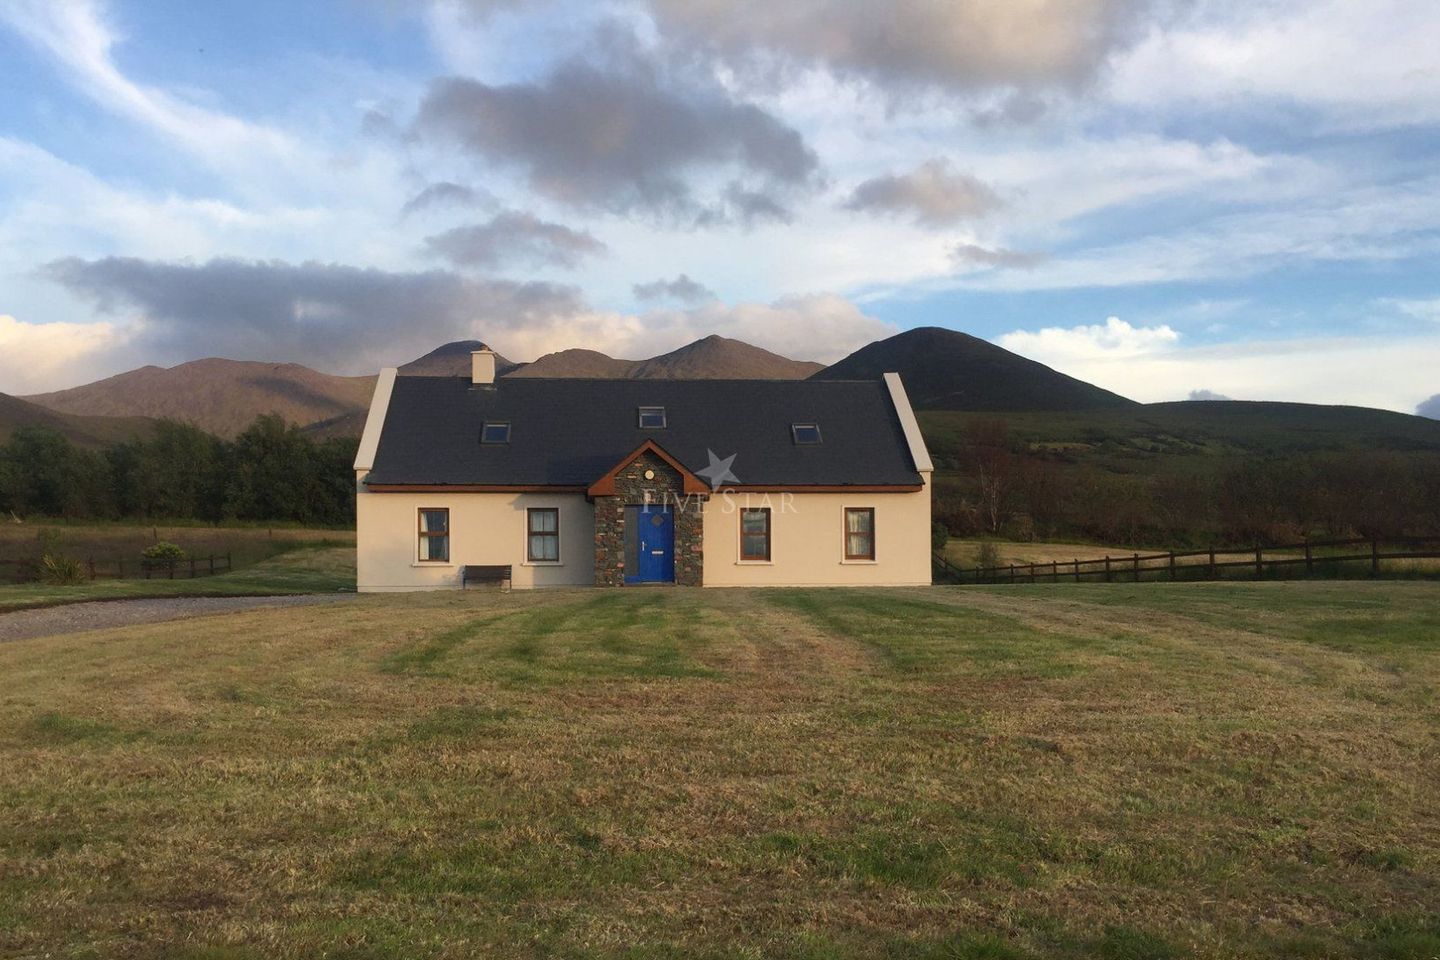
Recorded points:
(1169, 198)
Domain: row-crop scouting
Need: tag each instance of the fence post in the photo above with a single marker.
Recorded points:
(1077, 569)
(1259, 564)
(1108, 578)
(1309, 558)
(1210, 571)
(1172, 565)
(1137, 568)
(90, 565)
(212, 564)
(1374, 556)
(1012, 573)
(979, 578)
(1054, 571)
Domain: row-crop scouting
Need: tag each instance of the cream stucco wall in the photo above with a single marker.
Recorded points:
(485, 528)
(807, 540)
(806, 549)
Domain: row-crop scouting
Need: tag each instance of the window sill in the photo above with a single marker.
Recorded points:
(754, 563)
(542, 563)
(860, 563)
(432, 563)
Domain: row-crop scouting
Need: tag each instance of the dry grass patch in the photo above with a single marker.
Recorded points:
(654, 773)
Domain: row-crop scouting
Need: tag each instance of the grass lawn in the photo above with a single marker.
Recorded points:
(299, 569)
(1111, 771)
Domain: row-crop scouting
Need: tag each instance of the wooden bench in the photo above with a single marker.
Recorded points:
(486, 574)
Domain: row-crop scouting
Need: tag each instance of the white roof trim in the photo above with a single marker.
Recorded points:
(909, 424)
(375, 420)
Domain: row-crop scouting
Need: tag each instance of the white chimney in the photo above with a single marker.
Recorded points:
(482, 366)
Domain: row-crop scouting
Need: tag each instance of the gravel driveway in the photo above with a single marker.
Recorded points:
(98, 615)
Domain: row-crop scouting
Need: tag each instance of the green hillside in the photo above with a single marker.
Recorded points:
(1191, 472)
(1190, 436)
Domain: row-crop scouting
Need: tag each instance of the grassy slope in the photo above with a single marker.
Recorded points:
(1204, 770)
(1193, 438)
(83, 431)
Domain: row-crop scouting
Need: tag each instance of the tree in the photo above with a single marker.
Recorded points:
(994, 467)
(44, 474)
(272, 477)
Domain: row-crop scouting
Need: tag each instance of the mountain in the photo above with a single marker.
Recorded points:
(222, 396)
(451, 360)
(81, 431)
(711, 358)
(947, 370)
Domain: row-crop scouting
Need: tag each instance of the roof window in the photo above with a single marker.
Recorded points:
(495, 432)
(652, 418)
(805, 433)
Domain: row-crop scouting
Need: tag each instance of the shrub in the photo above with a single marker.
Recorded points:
(939, 536)
(164, 550)
(989, 555)
(61, 570)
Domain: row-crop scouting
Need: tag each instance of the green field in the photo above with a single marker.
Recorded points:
(1208, 770)
(266, 561)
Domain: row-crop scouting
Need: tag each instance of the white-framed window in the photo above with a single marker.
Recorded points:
(495, 431)
(651, 418)
(542, 535)
(434, 530)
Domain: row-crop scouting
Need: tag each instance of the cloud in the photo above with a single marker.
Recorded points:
(1430, 408)
(1114, 338)
(35, 357)
(681, 289)
(932, 193)
(969, 253)
(353, 320)
(447, 194)
(515, 237)
(1284, 52)
(1148, 363)
(1207, 395)
(952, 45)
(77, 35)
(327, 315)
(625, 136)
(1428, 310)
(822, 327)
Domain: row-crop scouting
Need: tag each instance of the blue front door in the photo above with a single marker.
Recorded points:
(651, 533)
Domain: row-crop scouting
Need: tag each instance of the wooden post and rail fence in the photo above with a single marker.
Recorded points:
(1363, 556)
(20, 571)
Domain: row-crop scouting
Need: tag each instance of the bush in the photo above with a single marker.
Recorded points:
(939, 536)
(989, 555)
(164, 550)
(61, 571)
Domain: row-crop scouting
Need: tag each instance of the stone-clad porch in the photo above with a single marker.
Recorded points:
(649, 476)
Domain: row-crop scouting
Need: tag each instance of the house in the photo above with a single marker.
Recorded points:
(619, 482)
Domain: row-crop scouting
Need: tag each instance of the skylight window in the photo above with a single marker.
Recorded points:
(494, 432)
(652, 418)
(805, 433)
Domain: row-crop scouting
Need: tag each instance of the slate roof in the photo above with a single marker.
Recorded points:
(569, 432)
